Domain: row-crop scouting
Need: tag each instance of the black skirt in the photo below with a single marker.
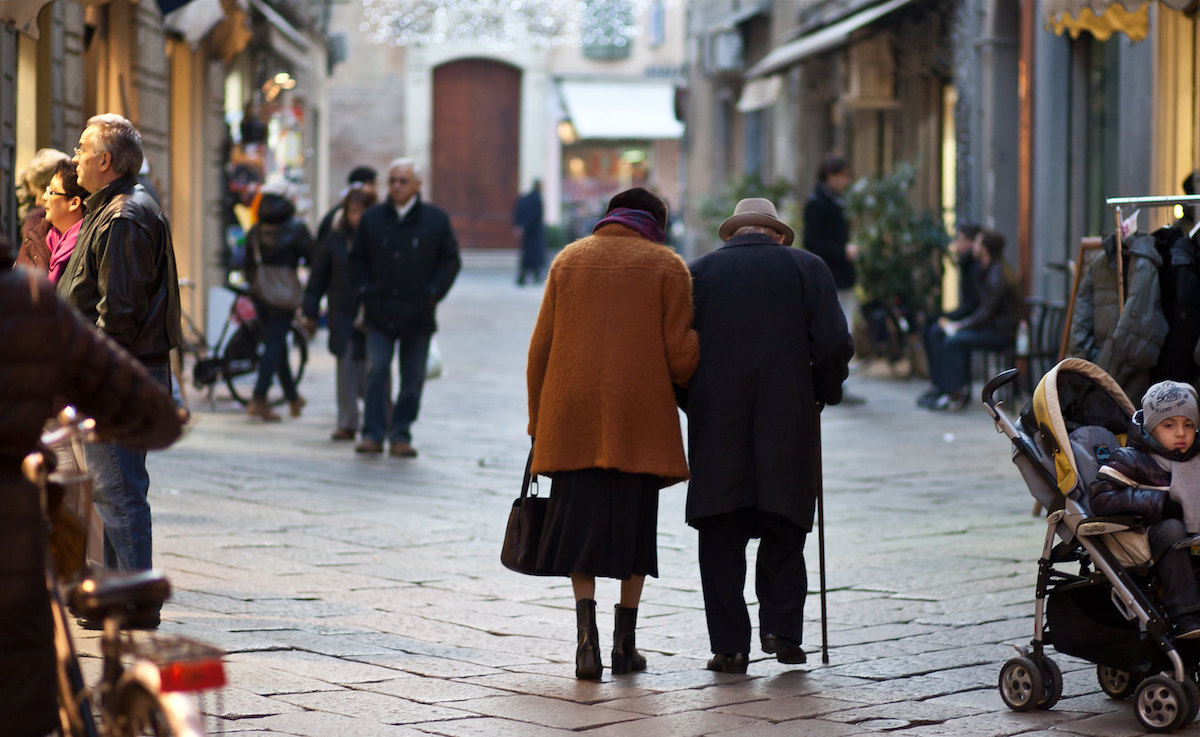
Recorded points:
(601, 523)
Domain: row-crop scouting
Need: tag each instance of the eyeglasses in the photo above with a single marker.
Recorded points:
(52, 193)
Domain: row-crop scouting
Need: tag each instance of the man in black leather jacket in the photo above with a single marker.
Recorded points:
(122, 277)
(408, 257)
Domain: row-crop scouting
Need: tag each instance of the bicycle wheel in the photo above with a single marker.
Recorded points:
(243, 355)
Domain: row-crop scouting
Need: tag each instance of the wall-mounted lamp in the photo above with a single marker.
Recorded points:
(280, 82)
(566, 132)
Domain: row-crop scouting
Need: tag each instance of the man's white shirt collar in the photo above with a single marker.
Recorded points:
(402, 210)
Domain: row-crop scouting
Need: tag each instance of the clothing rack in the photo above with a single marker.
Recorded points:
(1148, 201)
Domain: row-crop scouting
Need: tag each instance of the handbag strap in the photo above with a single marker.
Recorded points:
(529, 477)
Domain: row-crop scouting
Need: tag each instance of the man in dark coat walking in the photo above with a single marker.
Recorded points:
(409, 258)
(774, 348)
(528, 221)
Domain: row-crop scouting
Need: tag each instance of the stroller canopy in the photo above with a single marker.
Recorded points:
(1077, 393)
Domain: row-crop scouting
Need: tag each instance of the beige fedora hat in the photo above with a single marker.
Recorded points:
(755, 211)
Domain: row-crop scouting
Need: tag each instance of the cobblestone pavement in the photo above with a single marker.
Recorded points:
(364, 596)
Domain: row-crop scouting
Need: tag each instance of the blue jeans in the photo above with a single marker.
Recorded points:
(414, 351)
(950, 356)
(274, 359)
(120, 497)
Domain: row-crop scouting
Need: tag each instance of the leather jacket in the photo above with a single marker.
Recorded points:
(1122, 484)
(122, 273)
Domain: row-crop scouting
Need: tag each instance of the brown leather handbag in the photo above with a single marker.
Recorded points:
(524, 532)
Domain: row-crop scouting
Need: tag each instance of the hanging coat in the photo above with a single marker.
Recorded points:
(773, 343)
(1128, 347)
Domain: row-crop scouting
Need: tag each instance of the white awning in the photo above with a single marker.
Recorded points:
(759, 93)
(615, 110)
(821, 40)
(195, 20)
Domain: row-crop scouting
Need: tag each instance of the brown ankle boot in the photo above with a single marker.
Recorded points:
(625, 656)
(296, 405)
(260, 409)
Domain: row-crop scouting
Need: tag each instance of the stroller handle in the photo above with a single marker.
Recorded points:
(1004, 377)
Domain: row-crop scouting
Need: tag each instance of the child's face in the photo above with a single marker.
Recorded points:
(1175, 433)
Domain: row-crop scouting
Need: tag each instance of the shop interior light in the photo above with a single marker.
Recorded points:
(280, 82)
(566, 132)
(507, 23)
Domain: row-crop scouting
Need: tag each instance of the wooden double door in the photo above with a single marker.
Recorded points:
(476, 149)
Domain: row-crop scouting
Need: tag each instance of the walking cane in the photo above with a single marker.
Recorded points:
(821, 540)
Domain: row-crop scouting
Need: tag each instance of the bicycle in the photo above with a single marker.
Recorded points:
(149, 684)
(235, 356)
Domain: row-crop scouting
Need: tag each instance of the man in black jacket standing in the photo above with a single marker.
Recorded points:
(774, 348)
(122, 277)
(408, 255)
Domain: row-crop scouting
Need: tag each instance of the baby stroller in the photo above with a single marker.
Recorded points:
(1106, 610)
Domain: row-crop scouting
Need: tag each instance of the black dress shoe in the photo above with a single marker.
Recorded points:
(140, 621)
(788, 651)
(768, 643)
(729, 663)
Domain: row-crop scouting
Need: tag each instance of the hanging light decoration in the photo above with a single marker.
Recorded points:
(507, 23)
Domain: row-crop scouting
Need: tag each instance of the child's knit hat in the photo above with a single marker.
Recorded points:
(1169, 399)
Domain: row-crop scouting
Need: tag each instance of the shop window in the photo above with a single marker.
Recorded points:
(607, 29)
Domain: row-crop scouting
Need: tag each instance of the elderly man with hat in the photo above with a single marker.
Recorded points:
(774, 348)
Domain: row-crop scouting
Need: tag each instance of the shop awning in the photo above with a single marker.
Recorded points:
(1103, 18)
(285, 39)
(22, 15)
(821, 40)
(194, 19)
(615, 110)
(759, 93)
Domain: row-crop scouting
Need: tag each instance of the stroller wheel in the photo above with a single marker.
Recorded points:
(1118, 684)
(1161, 704)
(1193, 693)
(1021, 684)
(1052, 684)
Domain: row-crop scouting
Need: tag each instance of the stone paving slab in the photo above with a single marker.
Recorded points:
(364, 596)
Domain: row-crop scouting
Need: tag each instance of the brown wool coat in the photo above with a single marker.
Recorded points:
(613, 334)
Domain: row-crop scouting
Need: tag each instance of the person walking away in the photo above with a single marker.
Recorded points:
(991, 326)
(122, 278)
(333, 275)
(1157, 477)
(407, 252)
(360, 177)
(969, 274)
(63, 202)
(827, 231)
(34, 253)
(279, 238)
(49, 354)
(613, 335)
(528, 222)
(753, 412)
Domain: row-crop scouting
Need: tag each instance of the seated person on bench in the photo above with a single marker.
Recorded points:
(991, 326)
(1157, 476)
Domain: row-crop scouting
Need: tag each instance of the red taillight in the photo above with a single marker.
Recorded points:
(195, 675)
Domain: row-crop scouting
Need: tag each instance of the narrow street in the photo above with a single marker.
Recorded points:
(364, 596)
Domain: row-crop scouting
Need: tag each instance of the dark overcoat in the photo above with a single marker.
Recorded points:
(528, 216)
(334, 276)
(773, 344)
(826, 233)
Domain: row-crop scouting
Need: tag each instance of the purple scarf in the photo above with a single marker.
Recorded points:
(639, 221)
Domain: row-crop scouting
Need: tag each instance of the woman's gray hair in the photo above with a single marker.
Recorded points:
(407, 163)
(116, 135)
(758, 229)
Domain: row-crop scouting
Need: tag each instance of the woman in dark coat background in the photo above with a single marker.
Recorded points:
(282, 240)
(334, 274)
(774, 348)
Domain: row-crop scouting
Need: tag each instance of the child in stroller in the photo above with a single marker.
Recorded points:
(1097, 595)
(1140, 479)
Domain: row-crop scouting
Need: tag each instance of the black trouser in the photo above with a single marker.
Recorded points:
(1174, 568)
(781, 578)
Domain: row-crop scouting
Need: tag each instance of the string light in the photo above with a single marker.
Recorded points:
(507, 23)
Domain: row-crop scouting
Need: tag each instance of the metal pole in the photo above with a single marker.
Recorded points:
(821, 541)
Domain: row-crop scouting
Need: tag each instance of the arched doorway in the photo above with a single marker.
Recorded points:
(476, 119)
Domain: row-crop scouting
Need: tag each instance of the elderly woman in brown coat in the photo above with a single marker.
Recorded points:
(613, 336)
